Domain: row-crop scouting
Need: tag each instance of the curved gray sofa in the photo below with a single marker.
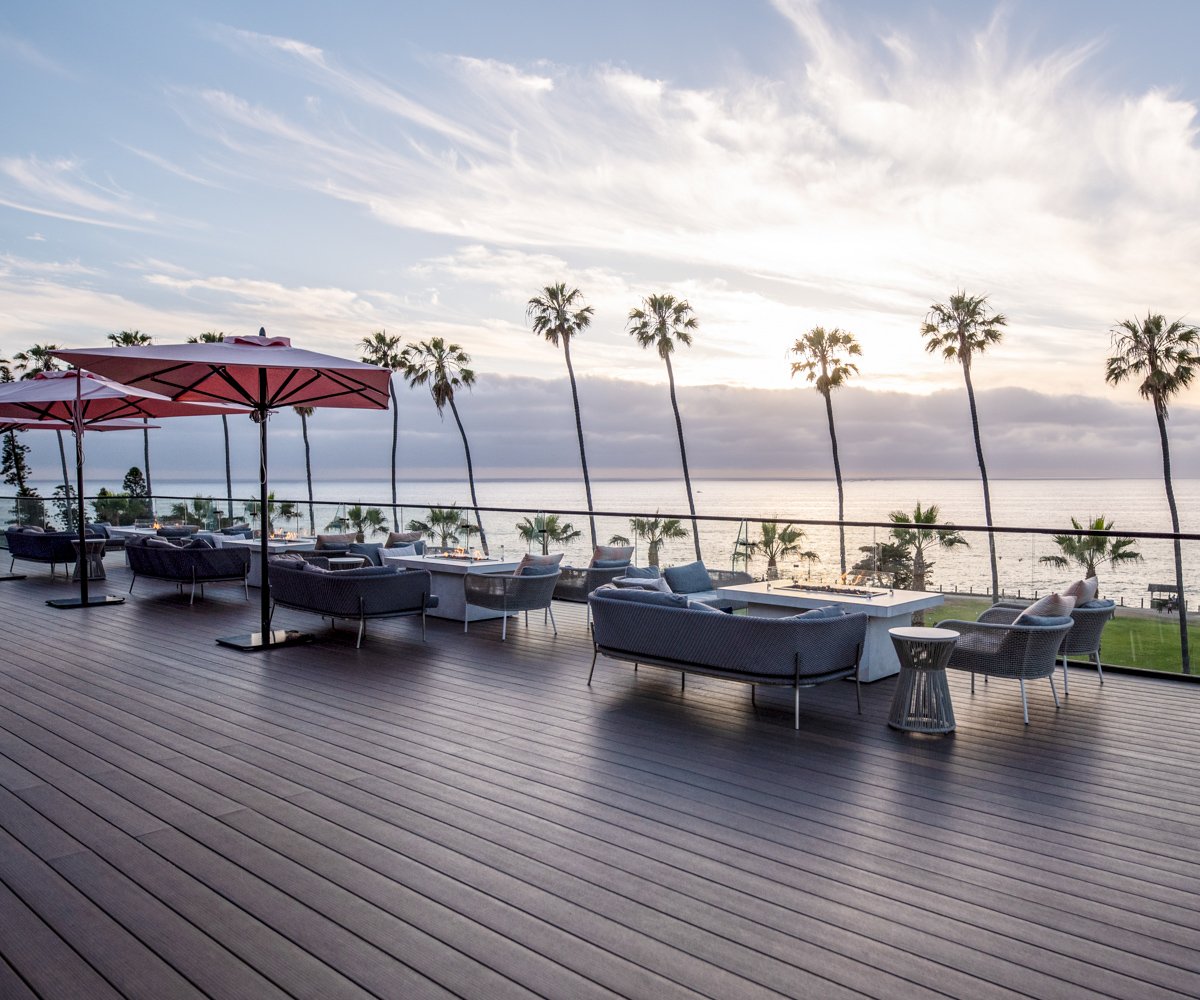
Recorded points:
(355, 595)
(46, 547)
(797, 652)
(197, 567)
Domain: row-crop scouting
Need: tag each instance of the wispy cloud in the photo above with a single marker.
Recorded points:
(891, 167)
(172, 168)
(59, 188)
(27, 52)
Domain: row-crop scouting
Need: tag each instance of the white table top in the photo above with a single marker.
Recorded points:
(924, 634)
(444, 564)
(881, 603)
(273, 544)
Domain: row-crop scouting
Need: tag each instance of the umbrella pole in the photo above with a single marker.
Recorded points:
(81, 564)
(265, 638)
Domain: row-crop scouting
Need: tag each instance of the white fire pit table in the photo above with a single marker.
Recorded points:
(446, 582)
(885, 609)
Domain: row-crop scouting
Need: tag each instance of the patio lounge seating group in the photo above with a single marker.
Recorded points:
(665, 630)
(354, 595)
(196, 563)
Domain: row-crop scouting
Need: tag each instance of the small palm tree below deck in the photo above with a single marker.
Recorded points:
(777, 540)
(448, 526)
(546, 528)
(1091, 551)
(654, 531)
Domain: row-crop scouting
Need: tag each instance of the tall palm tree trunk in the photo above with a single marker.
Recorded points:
(312, 512)
(62, 454)
(1184, 653)
(395, 438)
(987, 494)
(587, 482)
(146, 457)
(687, 479)
(470, 477)
(837, 475)
(228, 468)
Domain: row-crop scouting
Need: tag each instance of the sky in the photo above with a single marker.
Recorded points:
(425, 168)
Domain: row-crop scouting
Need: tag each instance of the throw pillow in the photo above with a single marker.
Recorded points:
(1044, 621)
(1096, 605)
(1053, 605)
(340, 542)
(368, 550)
(701, 606)
(235, 529)
(398, 550)
(621, 553)
(154, 542)
(1083, 590)
(536, 559)
(643, 583)
(609, 564)
(396, 538)
(652, 597)
(33, 529)
(536, 570)
(691, 578)
(310, 567)
(828, 611)
(372, 571)
(639, 573)
(199, 543)
(292, 560)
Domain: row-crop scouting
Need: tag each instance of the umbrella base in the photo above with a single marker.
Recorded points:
(100, 601)
(278, 638)
(11, 576)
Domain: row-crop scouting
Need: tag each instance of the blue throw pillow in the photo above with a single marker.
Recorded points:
(609, 563)
(1096, 605)
(691, 578)
(97, 530)
(536, 570)
(1045, 621)
(368, 550)
(638, 573)
(828, 611)
(638, 596)
(372, 571)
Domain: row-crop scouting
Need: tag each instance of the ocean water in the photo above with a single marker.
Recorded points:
(1132, 505)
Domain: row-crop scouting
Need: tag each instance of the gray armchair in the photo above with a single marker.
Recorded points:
(1084, 638)
(995, 646)
(510, 594)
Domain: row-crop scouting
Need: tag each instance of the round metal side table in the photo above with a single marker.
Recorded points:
(922, 703)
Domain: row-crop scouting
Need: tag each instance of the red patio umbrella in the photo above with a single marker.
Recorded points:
(263, 373)
(85, 401)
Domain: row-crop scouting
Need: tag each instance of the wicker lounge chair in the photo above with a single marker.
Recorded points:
(511, 594)
(996, 646)
(1084, 638)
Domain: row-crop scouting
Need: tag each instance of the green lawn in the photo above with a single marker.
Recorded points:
(1150, 643)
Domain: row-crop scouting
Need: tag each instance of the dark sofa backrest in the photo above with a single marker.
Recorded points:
(347, 593)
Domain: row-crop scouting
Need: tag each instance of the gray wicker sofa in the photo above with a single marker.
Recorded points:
(46, 547)
(160, 560)
(353, 595)
(802, 651)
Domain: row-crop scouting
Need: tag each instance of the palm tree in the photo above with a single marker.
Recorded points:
(304, 412)
(360, 520)
(1164, 358)
(547, 528)
(1090, 551)
(33, 362)
(558, 315)
(654, 531)
(915, 540)
(778, 540)
(960, 330)
(443, 367)
(380, 349)
(213, 337)
(445, 525)
(660, 322)
(820, 355)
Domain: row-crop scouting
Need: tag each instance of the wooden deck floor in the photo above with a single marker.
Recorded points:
(461, 817)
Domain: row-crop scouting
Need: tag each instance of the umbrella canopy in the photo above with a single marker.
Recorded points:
(264, 373)
(56, 425)
(84, 401)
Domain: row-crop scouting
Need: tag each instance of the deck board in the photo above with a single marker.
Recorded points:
(465, 817)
